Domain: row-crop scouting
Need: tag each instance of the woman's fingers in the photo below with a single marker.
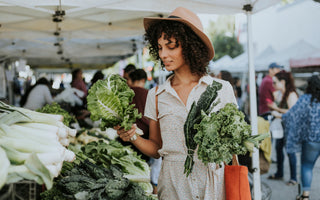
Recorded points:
(126, 135)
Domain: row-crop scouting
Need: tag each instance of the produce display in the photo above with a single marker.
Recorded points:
(87, 180)
(109, 101)
(102, 170)
(88, 164)
(55, 108)
(218, 135)
(32, 145)
(133, 167)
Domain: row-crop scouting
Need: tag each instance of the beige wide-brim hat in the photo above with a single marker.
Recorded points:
(190, 19)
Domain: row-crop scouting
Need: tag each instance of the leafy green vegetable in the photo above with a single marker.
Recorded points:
(204, 104)
(133, 167)
(222, 134)
(92, 181)
(217, 135)
(109, 100)
(55, 108)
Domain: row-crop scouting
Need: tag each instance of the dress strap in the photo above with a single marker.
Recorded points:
(157, 111)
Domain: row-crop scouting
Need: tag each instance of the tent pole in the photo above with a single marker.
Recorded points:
(253, 106)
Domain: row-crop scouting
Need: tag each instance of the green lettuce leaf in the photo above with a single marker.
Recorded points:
(109, 100)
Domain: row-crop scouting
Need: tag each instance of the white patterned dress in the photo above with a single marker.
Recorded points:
(205, 182)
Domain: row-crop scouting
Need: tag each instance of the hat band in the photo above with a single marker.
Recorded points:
(172, 16)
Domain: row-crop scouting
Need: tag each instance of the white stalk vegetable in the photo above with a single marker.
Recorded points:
(54, 170)
(36, 134)
(62, 132)
(64, 141)
(39, 117)
(71, 132)
(41, 126)
(5, 163)
(29, 146)
(69, 156)
(18, 158)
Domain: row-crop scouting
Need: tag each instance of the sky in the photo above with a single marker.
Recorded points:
(279, 26)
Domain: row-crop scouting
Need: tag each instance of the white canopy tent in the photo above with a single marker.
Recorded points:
(299, 49)
(311, 59)
(222, 64)
(90, 32)
(102, 31)
(240, 63)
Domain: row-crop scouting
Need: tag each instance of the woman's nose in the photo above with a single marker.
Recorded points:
(163, 54)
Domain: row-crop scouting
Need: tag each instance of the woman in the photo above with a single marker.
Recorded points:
(78, 82)
(183, 48)
(303, 119)
(37, 96)
(284, 82)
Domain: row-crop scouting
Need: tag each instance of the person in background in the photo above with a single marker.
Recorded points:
(127, 70)
(37, 95)
(78, 82)
(97, 76)
(284, 82)
(237, 86)
(183, 48)
(266, 91)
(138, 79)
(80, 111)
(303, 120)
(225, 75)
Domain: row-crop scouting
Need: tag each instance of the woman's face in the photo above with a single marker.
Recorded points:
(79, 74)
(278, 85)
(171, 54)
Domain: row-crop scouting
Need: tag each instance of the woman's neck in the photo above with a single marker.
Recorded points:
(139, 83)
(184, 78)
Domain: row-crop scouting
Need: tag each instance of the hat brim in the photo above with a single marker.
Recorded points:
(148, 21)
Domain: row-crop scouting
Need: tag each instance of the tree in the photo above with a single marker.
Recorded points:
(226, 45)
(221, 32)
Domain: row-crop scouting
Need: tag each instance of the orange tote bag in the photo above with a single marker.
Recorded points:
(236, 181)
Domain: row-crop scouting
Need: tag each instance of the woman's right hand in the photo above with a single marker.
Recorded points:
(126, 136)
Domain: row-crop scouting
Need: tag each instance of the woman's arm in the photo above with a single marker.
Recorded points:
(149, 146)
(292, 99)
(47, 96)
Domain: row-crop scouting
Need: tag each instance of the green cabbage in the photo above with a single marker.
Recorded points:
(109, 100)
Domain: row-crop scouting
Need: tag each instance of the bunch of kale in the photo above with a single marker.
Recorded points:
(89, 181)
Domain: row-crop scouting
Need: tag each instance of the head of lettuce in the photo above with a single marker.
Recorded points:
(109, 101)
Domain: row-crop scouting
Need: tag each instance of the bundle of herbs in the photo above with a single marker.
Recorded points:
(218, 135)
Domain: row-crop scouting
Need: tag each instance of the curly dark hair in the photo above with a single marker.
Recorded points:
(313, 88)
(194, 51)
(290, 87)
